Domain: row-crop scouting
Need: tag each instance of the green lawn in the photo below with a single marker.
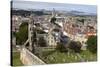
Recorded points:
(51, 57)
(16, 59)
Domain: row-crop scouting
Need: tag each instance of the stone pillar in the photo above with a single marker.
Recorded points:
(30, 33)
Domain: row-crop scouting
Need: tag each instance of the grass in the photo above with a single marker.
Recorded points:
(16, 59)
(52, 57)
(88, 56)
(58, 57)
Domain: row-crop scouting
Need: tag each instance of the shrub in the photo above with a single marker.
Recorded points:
(60, 47)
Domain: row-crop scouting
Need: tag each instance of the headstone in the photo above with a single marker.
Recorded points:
(64, 60)
(76, 57)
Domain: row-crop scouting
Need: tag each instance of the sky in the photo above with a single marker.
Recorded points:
(56, 6)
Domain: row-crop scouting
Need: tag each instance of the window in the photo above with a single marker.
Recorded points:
(51, 41)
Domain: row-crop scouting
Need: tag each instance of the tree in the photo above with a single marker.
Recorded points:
(42, 42)
(82, 21)
(75, 46)
(53, 19)
(92, 44)
(22, 35)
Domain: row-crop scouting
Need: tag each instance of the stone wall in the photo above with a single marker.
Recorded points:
(29, 58)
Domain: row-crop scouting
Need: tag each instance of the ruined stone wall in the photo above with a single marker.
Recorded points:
(29, 58)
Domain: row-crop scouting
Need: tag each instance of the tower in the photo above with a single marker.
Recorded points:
(53, 13)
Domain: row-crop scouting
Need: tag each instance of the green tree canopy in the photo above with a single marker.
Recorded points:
(53, 19)
(22, 35)
(92, 44)
(75, 46)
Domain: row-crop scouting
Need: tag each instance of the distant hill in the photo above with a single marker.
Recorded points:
(78, 13)
(27, 12)
(23, 12)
